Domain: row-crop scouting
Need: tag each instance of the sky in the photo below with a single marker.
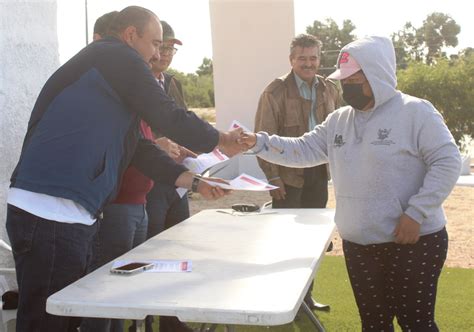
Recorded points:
(191, 22)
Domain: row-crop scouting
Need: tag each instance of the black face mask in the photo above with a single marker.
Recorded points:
(354, 95)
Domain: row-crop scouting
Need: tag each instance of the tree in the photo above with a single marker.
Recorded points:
(198, 89)
(333, 39)
(427, 42)
(205, 68)
(449, 85)
(466, 52)
(408, 45)
(439, 30)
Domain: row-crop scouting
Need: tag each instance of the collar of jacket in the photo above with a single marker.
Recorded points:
(293, 91)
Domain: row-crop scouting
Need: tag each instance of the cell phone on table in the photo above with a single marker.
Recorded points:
(131, 268)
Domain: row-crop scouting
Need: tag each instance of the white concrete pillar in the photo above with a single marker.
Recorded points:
(250, 43)
(29, 55)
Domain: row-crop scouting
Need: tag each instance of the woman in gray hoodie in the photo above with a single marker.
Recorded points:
(393, 162)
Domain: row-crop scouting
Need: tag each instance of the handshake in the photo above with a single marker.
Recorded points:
(230, 143)
(236, 141)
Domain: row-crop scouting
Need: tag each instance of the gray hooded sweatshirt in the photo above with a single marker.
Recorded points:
(397, 158)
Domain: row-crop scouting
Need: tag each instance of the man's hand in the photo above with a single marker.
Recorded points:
(170, 147)
(184, 153)
(248, 139)
(185, 180)
(279, 193)
(210, 192)
(407, 230)
(229, 142)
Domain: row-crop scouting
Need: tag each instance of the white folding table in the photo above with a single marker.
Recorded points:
(246, 270)
(466, 180)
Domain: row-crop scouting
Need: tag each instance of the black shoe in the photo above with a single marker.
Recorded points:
(313, 305)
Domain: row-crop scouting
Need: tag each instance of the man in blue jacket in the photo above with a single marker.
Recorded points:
(83, 133)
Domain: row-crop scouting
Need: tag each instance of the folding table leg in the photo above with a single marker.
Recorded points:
(140, 327)
(203, 328)
(312, 317)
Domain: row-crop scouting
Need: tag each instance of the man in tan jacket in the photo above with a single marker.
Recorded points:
(291, 106)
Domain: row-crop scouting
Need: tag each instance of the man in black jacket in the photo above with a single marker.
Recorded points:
(83, 133)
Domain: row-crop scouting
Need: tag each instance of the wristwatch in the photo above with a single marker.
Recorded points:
(194, 185)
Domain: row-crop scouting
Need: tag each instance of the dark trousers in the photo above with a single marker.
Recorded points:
(48, 255)
(123, 227)
(394, 280)
(165, 209)
(314, 194)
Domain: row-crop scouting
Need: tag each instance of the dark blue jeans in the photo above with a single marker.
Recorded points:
(48, 255)
(165, 209)
(124, 226)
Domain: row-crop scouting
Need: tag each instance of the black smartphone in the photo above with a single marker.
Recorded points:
(131, 268)
(246, 207)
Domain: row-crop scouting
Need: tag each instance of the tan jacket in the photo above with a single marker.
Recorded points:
(282, 111)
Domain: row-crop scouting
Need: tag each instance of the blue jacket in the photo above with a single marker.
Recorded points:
(84, 128)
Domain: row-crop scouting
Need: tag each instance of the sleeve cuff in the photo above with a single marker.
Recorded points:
(259, 145)
(415, 214)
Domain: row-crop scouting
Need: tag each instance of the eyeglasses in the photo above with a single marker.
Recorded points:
(168, 50)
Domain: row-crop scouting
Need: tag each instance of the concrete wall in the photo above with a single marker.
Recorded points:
(250, 43)
(28, 56)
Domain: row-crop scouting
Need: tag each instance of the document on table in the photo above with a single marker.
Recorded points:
(161, 265)
(243, 182)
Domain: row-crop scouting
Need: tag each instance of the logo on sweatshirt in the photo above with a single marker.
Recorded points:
(338, 141)
(382, 137)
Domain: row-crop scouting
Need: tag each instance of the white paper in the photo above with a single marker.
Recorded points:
(171, 266)
(243, 182)
(204, 161)
(201, 164)
(236, 124)
(161, 265)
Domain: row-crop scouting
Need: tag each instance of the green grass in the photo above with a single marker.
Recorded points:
(454, 308)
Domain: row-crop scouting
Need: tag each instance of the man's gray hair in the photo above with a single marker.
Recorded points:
(305, 40)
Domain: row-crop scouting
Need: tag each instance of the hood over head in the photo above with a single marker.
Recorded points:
(376, 57)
